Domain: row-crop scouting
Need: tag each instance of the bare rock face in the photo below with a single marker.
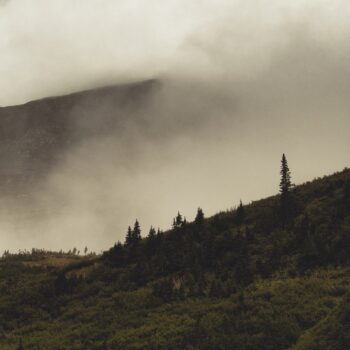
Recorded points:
(36, 135)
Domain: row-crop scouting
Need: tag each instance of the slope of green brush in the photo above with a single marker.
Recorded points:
(332, 332)
(230, 282)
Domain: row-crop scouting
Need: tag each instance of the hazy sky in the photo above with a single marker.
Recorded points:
(244, 81)
(58, 46)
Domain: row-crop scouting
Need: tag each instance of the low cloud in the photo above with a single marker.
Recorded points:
(241, 82)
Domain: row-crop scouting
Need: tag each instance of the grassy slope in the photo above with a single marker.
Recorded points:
(284, 310)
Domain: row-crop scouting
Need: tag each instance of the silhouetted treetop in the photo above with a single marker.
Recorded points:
(178, 221)
(199, 217)
(128, 238)
(240, 214)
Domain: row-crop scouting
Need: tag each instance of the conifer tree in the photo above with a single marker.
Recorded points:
(152, 233)
(177, 222)
(285, 184)
(199, 217)
(136, 233)
(285, 189)
(178, 219)
(128, 238)
(152, 241)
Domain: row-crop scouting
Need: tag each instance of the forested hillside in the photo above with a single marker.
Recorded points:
(273, 274)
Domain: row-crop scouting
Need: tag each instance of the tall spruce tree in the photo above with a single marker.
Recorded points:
(285, 184)
(285, 189)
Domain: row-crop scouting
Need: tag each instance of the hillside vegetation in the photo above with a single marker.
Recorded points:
(273, 274)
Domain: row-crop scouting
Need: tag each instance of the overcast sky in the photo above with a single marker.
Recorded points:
(58, 46)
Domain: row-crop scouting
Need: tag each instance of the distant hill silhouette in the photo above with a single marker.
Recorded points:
(35, 135)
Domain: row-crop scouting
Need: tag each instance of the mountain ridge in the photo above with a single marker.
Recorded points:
(35, 135)
(92, 90)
